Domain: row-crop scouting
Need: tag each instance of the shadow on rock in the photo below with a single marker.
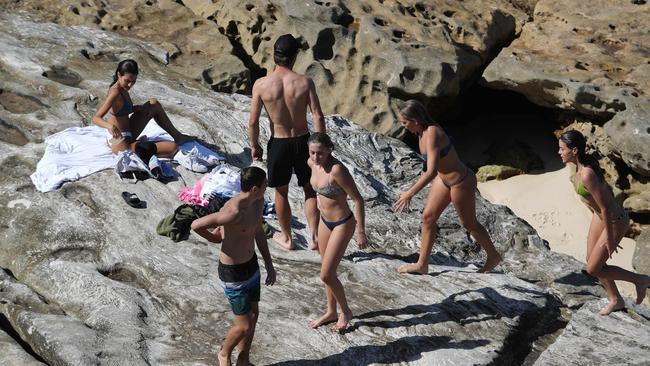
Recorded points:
(450, 309)
(406, 349)
(577, 279)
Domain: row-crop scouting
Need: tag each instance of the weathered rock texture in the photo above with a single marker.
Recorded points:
(641, 261)
(591, 58)
(85, 279)
(588, 337)
(365, 56)
(191, 45)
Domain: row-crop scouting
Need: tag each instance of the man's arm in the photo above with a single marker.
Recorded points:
(263, 247)
(254, 124)
(202, 225)
(314, 105)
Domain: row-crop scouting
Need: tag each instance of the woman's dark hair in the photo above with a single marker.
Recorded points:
(127, 66)
(321, 138)
(415, 110)
(252, 176)
(574, 139)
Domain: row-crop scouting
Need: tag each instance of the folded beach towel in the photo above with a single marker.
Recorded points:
(77, 152)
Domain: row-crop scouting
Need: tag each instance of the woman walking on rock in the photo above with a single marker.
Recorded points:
(127, 120)
(333, 184)
(609, 222)
(452, 182)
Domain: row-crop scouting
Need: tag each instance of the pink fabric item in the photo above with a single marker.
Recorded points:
(193, 194)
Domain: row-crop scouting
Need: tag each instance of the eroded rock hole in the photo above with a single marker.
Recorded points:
(80, 194)
(239, 51)
(322, 50)
(119, 273)
(63, 75)
(18, 103)
(12, 134)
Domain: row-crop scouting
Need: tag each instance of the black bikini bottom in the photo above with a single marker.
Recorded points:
(332, 224)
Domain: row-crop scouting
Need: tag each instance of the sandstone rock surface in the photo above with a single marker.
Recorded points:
(587, 339)
(86, 280)
(367, 56)
(192, 46)
(590, 58)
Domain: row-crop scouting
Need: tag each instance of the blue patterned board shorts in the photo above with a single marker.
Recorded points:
(241, 284)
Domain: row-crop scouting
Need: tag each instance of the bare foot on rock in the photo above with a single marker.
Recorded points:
(414, 269)
(313, 245)
(224, 359)
(325, 319)
(284, 241)
(342, 323)
(616, 305)
(490, 263)
(641, 289)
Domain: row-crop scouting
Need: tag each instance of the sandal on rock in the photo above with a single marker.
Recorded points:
(132, 200)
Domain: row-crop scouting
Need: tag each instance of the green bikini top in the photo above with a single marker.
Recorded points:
(581, 190)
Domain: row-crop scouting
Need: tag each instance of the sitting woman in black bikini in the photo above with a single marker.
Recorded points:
(608, 224)
(452, 182)
(124, 129)
(333, 184)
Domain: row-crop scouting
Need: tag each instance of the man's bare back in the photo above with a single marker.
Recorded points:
(285, 95)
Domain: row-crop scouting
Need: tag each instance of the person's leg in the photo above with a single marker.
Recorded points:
(330, 314)
(244, 346)
(312, 214)
(166, 149)
(597, 266)
(336, 245)
(283, 211)
(121, 146)
(463, 196)
(596, 229)
(156, 111)
(241, 327)
(438, 198)
(303, 174)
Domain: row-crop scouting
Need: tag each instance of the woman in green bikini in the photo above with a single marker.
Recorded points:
(608, 224)
(453, 182)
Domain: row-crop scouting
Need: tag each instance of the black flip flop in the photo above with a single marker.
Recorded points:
(132, 200)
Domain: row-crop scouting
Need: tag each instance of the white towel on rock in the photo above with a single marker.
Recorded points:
(77, 152)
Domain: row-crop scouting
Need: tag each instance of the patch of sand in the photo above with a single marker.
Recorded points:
(548, 203)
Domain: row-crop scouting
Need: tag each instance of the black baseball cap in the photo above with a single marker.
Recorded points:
(286, 45)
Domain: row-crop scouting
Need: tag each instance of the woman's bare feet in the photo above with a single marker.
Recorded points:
(490, 263)
(342, 323)
(224, 359)
(615, 305)
(313, 244)
(414, 268)
(325, 319)
(641, 289)
(283, 240)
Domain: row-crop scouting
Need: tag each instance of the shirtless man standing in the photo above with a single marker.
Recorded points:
(241, 218)
(286, 95)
